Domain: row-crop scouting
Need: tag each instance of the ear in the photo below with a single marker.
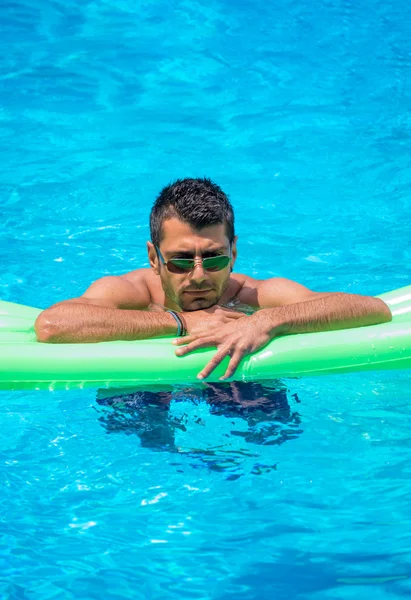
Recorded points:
(153, 258)
(233, 252)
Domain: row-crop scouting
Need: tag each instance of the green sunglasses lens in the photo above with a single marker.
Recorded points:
(183, 265)
(216, 263)
(180, 265)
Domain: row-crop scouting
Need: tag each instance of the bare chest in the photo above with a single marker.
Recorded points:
(158, 297)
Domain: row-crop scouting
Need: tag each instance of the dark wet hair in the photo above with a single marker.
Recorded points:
(198, 202)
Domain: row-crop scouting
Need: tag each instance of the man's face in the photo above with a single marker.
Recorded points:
(198, 288)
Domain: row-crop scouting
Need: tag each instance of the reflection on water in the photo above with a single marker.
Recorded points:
(221, 426)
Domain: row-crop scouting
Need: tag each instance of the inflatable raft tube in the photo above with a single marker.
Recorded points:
(28, 364)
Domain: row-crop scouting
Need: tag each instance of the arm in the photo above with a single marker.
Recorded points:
(288, 308)
(95, 316)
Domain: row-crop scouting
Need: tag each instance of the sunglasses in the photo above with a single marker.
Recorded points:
(185, 265)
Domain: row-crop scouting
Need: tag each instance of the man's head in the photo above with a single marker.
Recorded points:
(192, 219)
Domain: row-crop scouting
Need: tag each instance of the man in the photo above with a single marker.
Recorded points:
(190, 284)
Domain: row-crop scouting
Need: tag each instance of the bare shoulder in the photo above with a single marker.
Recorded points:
(140, 288)
(276, 291)
(127, 291)
(151, 282)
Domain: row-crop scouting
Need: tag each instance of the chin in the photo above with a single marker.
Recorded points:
(199, 304)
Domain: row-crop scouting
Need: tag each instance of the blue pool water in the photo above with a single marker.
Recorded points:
(301, 113)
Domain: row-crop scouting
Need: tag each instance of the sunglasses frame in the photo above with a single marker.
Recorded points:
(161, 257)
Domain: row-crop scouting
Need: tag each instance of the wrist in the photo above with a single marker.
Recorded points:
(180, 323)
(189, 318)
(273, 321)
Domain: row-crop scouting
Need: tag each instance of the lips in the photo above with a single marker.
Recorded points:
(197, 291)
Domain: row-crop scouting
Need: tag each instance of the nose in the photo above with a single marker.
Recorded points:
(198, 274)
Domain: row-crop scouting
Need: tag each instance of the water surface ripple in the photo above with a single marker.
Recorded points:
(297, 489)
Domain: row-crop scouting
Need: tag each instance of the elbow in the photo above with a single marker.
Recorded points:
(386, 315)
(45, 328)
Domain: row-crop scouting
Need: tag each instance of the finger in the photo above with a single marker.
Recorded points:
(184, 340)
(214, 362)
(233, 364)
(192, 336)
(195, 345)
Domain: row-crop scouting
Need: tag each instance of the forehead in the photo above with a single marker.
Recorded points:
(179, 236)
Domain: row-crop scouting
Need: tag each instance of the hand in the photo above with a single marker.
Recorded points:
(233, 338)
(209, 318)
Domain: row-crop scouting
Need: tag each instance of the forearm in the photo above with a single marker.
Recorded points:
(71, 323)
(336, 311)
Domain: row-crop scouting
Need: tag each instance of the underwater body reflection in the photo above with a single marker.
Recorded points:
(222, 427)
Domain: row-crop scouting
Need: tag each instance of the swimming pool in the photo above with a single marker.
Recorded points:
(297, 489)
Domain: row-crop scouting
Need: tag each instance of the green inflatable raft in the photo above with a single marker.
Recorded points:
(28, 364)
